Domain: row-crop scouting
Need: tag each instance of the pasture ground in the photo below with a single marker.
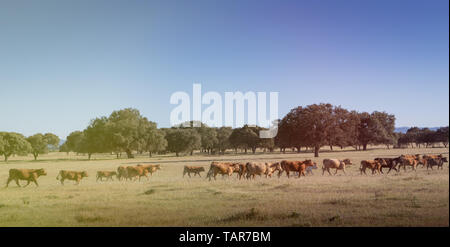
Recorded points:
(397, 199)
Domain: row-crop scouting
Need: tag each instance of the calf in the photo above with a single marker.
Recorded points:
(193, 169)
(310, 168)
(374, 165)
(106, 174)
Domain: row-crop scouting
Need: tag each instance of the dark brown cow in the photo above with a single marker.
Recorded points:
(122, 172)
(193, 169)
(106, 174)
(296, 166)
(71, 175)
(430, 156)
(439, 162)
(30, 175)
(390, 163)
(374, 165)
(242, 171)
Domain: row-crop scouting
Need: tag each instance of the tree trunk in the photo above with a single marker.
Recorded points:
(298, 149)
(149, 154)
(117, 155)
(316, 151)
(365, 147)
(246, 151)
(129, 155)
(253, 150)
(331, 147)
(6, 158)
(176, 153)
(192, 152)
(35, 156)
(89, 156)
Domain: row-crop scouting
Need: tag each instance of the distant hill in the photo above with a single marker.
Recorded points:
(404, 129)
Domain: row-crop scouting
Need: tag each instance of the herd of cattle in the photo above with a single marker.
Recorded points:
(244, 170)
(127, 173)
(301, 168)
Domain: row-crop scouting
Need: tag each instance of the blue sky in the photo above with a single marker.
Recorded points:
(63, 63)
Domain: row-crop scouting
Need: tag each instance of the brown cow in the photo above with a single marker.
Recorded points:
(334, 164)
(151, 168)
(193, 169)
(71, 175)
(374, 165)
(272, 167)
(30, 175)
(122, 172)
(296, 166)
(403, 161)
(242, 169)
(239, 169)
(408, 160)
(420, 160)
(106, 174)
(260, 168)
(224, 168)
(136, 171)
(151, 165)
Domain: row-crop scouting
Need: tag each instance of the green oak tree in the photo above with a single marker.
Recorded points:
(13, 143)
(40, 143)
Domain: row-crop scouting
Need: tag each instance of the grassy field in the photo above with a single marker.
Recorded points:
(405, 199)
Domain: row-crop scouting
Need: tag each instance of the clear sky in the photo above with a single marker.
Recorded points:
(63, 63)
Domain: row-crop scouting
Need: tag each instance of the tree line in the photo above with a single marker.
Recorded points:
(310, 127)
(12, 143)
(423, 137)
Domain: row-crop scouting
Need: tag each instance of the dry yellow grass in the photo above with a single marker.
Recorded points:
(405, 199)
